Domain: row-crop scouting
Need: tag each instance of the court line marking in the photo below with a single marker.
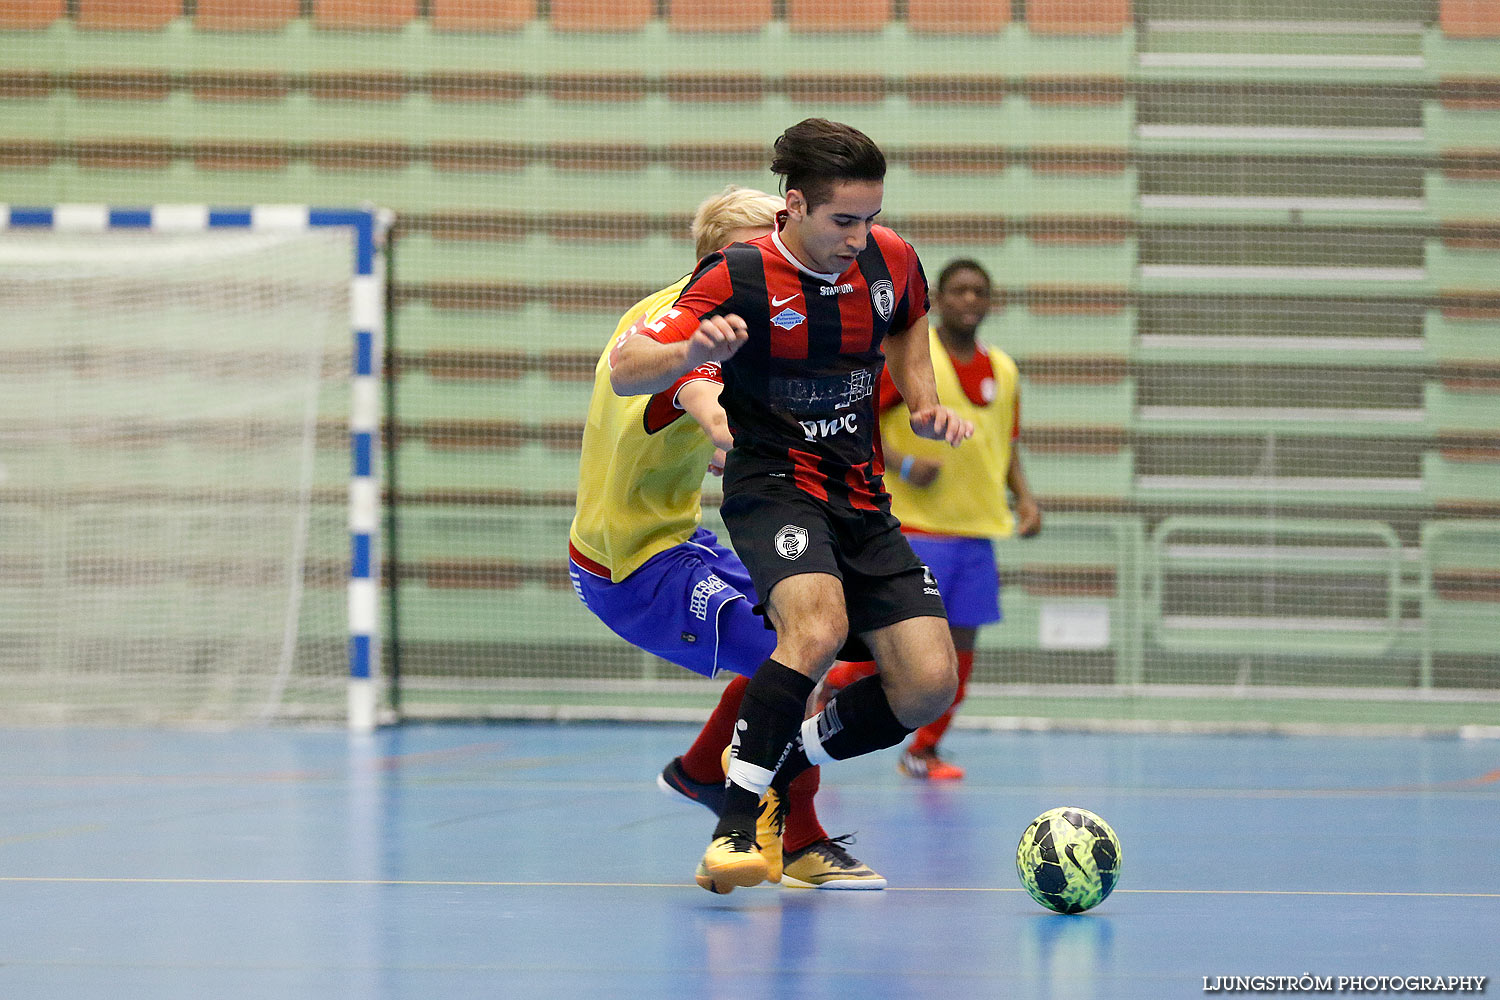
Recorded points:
(483, 884)
(977, 786)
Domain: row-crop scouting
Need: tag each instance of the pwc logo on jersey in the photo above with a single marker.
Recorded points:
(788, 318)
(883, 295)
(791, 541)
(815, 429)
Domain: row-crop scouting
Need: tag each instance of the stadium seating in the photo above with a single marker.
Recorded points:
(838, 15)
(1460, 591)
(363, 15)
(481, 15)
(957, 17)
(1160, 223)
(1469, 18)
(532, 326)
(1250, 585)
(1454, 335)
(245, 15)
(1073, 590)
(453, 617)
(593, 16)
(482, 466)
(127, 15)
(30, 14)
(710, 16)
(1090, 401)
(527, 402)
(1077, 17)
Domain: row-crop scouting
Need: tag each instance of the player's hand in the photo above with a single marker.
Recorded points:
(1028, 517)
(718, 433)
(716, 339)
(939, 423)
(716, 464)
(923, 471)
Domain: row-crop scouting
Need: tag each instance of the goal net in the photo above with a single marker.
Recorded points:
(173, 473)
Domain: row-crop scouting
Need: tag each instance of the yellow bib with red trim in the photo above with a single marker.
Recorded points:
(969, 495)
(640, 475)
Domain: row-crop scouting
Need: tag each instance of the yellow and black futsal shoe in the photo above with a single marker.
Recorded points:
(731, 860)
(770, 823)
(824, 864)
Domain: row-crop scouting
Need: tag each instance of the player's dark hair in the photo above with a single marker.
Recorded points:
(814, 155)
(961, 264)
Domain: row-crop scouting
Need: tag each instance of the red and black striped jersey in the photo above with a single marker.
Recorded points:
(800, 393)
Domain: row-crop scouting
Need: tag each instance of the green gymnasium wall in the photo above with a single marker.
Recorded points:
(1247, 260)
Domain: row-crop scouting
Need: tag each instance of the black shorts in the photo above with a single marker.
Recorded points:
(778, 531)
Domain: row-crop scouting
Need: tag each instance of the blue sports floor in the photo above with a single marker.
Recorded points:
(521, 861)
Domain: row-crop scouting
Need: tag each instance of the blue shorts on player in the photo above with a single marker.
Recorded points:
(691, 605)
(966, 576)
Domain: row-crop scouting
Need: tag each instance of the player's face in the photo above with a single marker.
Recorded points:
(964, 301)
(829, 237)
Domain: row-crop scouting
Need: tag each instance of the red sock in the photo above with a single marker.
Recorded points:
(841, 675)
(704, 761)
(928, 736)
(802, 826)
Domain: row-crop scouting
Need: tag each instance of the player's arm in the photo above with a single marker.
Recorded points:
(909, 361)
(917, 471)
(1028, 512)
(640, 364)
(700, 400)
(700, 327)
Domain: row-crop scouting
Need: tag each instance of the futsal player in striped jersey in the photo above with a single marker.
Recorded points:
(953, 504)
(802, 321)
(641, 562)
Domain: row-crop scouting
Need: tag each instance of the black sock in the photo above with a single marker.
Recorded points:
(796, 762)
(774, 703)
(856, 721)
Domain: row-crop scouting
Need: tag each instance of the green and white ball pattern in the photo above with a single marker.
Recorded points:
(1068, 859)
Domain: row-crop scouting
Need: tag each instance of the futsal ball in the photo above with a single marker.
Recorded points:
(1068, 859)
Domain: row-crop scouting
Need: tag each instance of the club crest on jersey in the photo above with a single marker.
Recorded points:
(883, 295)
(788, 318)
(791, 541)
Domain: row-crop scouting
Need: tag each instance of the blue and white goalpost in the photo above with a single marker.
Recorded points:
(30, 466)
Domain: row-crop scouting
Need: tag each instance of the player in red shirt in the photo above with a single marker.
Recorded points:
(802, 322)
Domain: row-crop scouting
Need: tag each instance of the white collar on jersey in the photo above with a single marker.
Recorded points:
(827, 279)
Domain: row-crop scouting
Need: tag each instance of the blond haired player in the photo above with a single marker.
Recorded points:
(642, 563)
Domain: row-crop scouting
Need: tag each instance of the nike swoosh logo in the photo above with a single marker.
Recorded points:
(684, 789)
(781, 302)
